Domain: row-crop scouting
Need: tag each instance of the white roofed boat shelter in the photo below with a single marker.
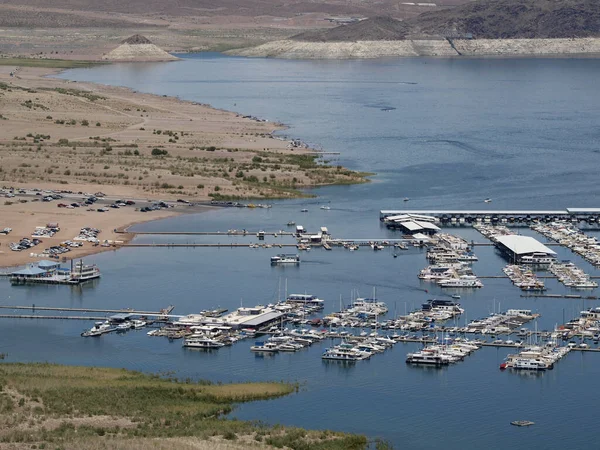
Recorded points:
(517, 246)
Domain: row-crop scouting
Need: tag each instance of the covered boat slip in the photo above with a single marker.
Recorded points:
(590, 215)
(516, 247)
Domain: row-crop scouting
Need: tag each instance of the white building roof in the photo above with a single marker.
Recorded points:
(427, 225)
(411, 225)
(421, 237)
(522, 245)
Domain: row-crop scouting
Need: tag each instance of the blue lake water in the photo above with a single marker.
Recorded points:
(521, 131)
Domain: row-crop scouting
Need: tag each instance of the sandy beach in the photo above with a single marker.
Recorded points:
(23, 218)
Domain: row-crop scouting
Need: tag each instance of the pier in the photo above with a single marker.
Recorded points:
(165, 312)
(212, 233)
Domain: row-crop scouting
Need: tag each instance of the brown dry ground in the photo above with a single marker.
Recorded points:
(56, 134)
(24, 217)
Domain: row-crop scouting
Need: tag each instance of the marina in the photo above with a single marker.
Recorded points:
(454, 165)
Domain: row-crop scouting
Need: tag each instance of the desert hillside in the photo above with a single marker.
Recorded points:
(482, 19)
(515, 19)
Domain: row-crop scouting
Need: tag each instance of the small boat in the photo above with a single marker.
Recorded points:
(202, 342)
(406, 199)
(522, 423)
(304, 210)
(285, 259)
(327, 208)
(455, 296)
(395, 255)
(124, 326)
(488, 200)
(265, 347)
(98, 329)
(291, 223)
(137, 324)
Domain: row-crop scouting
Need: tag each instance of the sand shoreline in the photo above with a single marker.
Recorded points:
(48, 141)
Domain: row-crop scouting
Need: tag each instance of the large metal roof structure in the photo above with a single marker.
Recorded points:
(523, 245)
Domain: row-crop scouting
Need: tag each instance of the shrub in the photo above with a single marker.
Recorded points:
(85, 123)
(159, 152)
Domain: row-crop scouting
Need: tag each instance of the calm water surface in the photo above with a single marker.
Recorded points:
(523, 132)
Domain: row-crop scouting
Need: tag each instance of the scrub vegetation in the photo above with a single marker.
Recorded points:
(53, 406)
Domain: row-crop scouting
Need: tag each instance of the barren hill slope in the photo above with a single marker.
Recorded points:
(375, 29)
(503, 19)
(247, 8)
(484, 19)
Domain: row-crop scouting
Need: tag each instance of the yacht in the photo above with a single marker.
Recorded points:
(344, 353)
(265, 347)
(368, 306)
(530, 364)
(285, 259)
(425, 358)
(137, 324)
(124, 326)
(98, 329)
(463, 281)
(537, 258)
(202, 342)
(443, 306)
(289, 347)
(467, 256)
(305, 300)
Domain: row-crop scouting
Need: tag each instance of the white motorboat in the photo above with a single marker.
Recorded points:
(344, 352)
(285, 259)
(463, 281)
(124, 326)
(530, 364)
(137, 324)
(99, 329)
(265, 347)
(202, 342)
(305, 300)
(426, 358)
